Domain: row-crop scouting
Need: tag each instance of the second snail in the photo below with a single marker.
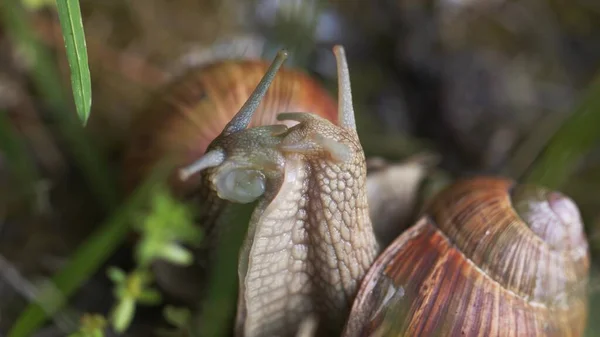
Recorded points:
(486, 257)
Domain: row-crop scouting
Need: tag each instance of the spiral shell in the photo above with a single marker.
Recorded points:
(180, 123)
(487, 258)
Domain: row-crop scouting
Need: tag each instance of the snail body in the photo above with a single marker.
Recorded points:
(291, 265)
(487, 257)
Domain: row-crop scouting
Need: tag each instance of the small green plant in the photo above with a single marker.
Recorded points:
(162, 230)
(92, 325)
(130, 290)
(180, 318)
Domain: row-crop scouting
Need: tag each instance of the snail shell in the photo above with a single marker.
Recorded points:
(181, 122)
(488, 258)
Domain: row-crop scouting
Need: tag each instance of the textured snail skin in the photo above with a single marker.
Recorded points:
(183, 119)
(486, 259)
(310, 238)
(310, 241)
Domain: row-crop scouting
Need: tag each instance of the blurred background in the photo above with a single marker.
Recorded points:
(483, 85)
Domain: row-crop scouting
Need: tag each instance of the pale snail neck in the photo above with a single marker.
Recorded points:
(307, 249)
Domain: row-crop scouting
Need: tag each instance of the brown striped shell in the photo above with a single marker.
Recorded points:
(180, 123)
(487, 258)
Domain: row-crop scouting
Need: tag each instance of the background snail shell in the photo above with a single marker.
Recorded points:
(192, 111)
(488, 258)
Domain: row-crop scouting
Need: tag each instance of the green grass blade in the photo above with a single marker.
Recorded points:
(220, 305)
(46, 78)
(90, 256)
(572, 141)
(71, 24)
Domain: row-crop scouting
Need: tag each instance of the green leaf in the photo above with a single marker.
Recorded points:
(168, 224)
(38, 4)
(220, 304)
(150, 297)
(176, 254)
(130, 291)
(88, 258)
(123, 315)
(46, 79)
(71, 23)
(116, 275)
(572, 141)
(92, 325)
(178, 317)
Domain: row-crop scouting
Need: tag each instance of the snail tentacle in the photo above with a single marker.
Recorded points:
(210, 159)
(345, 107)
(242, 119)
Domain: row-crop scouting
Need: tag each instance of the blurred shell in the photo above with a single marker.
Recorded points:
(450, 275)
(182, 121)
(393, 193)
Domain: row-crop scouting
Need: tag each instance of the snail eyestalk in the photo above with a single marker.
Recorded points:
(242, 119)
(345, 107)
(211, 159)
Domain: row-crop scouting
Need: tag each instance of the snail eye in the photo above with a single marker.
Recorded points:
(240, 185)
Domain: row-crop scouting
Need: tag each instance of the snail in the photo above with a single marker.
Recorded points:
(184, 116)
(486, 257)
